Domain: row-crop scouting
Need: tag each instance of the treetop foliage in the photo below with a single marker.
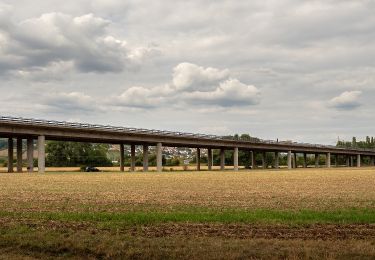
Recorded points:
(368, 143)
(76, 154)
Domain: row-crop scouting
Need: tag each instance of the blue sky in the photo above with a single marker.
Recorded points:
(292, 70)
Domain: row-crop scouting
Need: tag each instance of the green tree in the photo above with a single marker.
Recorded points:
(76, 154)
(354, 142)
(175, 161)
(368, 143)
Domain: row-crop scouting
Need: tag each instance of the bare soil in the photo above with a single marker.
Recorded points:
(311, 232)
(235, 231)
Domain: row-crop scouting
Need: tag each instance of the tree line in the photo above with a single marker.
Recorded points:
(368, 143)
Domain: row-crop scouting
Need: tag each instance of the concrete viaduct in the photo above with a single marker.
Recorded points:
(42, 130)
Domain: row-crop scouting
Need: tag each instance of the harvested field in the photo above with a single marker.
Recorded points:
(308, 213)
(284, 190)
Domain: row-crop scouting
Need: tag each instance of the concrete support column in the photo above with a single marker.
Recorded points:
(336, 160)
(328, 160)
(19, 154)
(222, 159)
(304, 160)
(10, 155)
(264, 160)
(235, 158)
(132, 157)
(122, 158)
(145, 158)
(209, 159)
(252, 159)
(41, 154)
(198, 159)
(276, 160)
(159, 157)
(289, 159)
(347, 161)
(30, 155)
(295, 165)
(316, 160)
(358, 160)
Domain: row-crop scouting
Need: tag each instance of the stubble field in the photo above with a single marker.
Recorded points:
(306, 213)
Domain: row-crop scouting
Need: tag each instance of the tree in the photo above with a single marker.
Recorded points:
(368, 143)
(175, 161)
(354, 142)
(76, 154)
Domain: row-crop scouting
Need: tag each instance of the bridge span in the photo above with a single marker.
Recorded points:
(42, 130)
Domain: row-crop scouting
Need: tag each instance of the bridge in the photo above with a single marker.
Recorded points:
(42, 130)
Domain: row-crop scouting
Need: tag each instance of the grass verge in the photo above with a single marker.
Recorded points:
(348, 216)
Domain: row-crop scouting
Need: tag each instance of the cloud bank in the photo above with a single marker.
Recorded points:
(58, 40)
(287, 69)
(347, 100)
(193, 85)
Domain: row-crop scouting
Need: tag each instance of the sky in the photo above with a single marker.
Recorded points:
(278, 69)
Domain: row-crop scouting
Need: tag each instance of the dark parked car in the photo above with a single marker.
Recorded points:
(91, 169)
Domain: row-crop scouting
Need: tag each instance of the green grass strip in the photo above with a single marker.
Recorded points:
(350, 216)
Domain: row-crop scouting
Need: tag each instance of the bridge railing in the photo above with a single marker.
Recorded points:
(97, 127)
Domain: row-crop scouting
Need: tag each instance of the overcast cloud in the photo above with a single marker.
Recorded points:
(287, 69)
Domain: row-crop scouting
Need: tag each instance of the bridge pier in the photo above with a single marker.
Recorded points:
(222, 159)
(30, 155)
(122, 158)
(295, 164)
(347, 161)
(328, 160)
(209, 159)
(198, 159)
(304, 160)
(289, 159)
(145, 157)
(41, 154)
(159, 157)
(252, 159)
(358, 160)
(19, 154)
(10, 154)
(316, 160)
(235, 158)
(132, 157)
(276, 160)
(336, 160)
(264, 166)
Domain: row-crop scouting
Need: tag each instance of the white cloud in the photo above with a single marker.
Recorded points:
(69, 103)
(141, 97)
(188, 76)
(230, 93)
(347, 100)
(192, 85)
(83, 40)
(51, 72)
(4, 15)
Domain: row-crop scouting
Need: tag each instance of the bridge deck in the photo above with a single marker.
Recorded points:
(56, 130)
